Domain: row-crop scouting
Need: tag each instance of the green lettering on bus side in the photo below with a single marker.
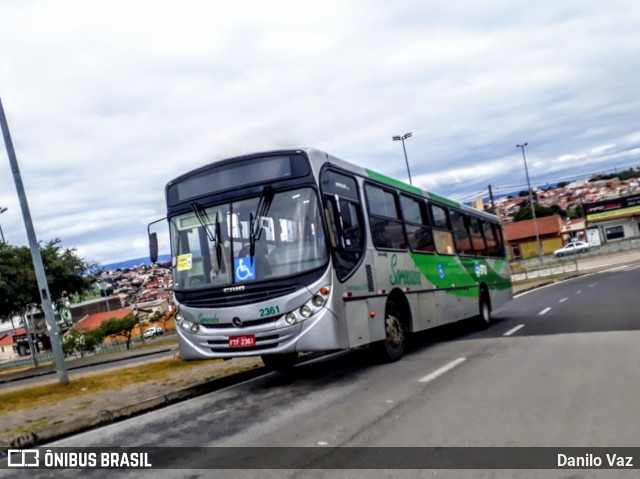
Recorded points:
(403, 276)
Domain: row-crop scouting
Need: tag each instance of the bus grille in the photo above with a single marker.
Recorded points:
(245, 324)
(237, 299)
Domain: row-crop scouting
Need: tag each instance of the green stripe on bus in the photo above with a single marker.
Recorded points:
(446, 271)
(391, 182)
(444, 200)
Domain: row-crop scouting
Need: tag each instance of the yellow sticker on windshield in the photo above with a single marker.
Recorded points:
(185, 262)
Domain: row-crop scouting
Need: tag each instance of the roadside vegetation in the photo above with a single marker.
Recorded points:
(65, 271)
(46, 394)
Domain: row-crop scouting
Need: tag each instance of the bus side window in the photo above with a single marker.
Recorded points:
(493, 248)
(344, 219)
(477, 238)
(343, 214)
(459, 222)
(386, 228)
(442, 235)
(500, 239)
(417, 224)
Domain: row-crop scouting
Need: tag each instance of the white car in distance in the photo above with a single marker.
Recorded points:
(575, 247)
(153, 331)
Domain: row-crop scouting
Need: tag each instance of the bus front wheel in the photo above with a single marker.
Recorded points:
(392, 347)
(279, 362)
(484, 318)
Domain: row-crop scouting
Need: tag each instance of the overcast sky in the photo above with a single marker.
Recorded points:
(107, 101)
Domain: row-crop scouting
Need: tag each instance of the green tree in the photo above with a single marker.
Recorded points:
(160, 317)
(66, 275)
(556, 210)
(576, 212)
(524, 213)
(122, 327)
(17, 281)
(81, 342)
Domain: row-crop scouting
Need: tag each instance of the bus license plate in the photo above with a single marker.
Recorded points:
(242, 341)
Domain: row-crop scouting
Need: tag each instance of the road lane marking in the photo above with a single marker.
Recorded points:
(618, 268)
(511, 331)
(579, 291)
(544, 311)
(563, 300)
(592, 285)
(439, 372)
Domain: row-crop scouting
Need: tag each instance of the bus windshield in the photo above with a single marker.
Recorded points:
(265, 237)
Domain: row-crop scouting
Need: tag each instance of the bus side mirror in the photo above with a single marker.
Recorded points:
(153, 247)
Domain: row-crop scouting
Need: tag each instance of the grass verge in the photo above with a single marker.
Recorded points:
(110, 380)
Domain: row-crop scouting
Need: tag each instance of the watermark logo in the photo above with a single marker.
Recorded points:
(23, 458)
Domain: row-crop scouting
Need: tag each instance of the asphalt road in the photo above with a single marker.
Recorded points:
(558, 368)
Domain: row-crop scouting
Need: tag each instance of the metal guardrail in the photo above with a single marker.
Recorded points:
(531, 268)
(42, 358)
(543, 272)
(104, 348)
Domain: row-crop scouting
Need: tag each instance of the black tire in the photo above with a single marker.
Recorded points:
(560, 255)
(392, 347)
(280, 362)
(483, 320)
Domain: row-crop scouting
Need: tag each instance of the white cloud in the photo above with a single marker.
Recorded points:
(108, 101)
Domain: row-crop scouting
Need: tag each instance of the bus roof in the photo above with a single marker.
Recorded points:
(320, 157)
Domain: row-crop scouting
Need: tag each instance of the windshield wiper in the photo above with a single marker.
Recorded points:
(216, 244)
(214, 236)
(204, 220)
(255, 229)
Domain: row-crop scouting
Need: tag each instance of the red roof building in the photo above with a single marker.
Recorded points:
(521, 236)
(94, 321)
(7, 343)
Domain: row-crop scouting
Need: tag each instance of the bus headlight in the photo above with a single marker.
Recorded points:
(318, 300)
(305, 311)
(311, 307)
(187, 325)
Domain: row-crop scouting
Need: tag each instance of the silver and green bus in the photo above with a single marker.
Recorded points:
(291, 251)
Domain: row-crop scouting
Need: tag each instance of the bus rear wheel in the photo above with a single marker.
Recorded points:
(392, 347)
(280, 362)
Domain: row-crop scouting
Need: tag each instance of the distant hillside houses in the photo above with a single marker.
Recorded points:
(603, 210)
(143, 290)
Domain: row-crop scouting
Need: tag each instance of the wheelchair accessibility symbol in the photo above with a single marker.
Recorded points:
(440, 271)
(245, 269)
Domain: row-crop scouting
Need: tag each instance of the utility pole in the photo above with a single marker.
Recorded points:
(41, 277)
(533, 209)
(493, 204)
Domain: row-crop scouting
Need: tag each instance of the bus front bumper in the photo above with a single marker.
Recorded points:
(321, 332)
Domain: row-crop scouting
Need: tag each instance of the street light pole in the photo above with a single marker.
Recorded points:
(41, 277)
(2, 210)
(533, 210)
(402, 138)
